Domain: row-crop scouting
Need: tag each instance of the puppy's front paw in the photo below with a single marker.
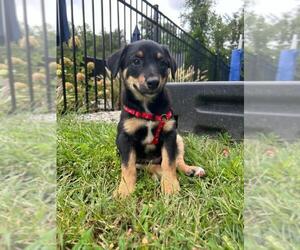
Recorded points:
(199, 171)
(169, 186)
(194, 171)
(123, 191)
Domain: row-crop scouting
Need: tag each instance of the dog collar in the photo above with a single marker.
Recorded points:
(162, 119)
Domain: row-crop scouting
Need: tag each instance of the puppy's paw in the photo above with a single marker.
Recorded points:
(169, 186)
(199, 172)
(196, 172)
(123, 191)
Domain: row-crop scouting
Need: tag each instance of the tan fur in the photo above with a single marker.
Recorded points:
(169, 182)
(141, 79)
(169, 125)
(162, 80)
(158, 55)
(124, 73)
(148, 139)
(128, 177)
(133, 124)
(181, 165)
(140, 54)
(154, 170)
(150, 147)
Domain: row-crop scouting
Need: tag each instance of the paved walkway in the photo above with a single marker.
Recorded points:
(109, 116)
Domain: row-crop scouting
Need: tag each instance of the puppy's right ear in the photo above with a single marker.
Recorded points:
(114, 62)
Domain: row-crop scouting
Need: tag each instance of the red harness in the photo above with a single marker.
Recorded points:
(151, 117)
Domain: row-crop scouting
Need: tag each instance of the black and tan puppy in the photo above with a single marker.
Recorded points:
(146, 131)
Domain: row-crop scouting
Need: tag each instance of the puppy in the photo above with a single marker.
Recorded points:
(147, 130)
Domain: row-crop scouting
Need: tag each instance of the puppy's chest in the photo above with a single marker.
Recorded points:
(144, 130)
(140, 129)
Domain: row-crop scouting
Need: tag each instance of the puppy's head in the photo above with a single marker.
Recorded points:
(144, 67)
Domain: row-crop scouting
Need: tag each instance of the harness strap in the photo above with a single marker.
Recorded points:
(151, 117)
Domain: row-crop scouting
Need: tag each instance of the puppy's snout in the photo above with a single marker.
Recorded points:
(152, 83)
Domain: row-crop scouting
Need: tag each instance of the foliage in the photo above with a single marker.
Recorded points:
(219, 33)
(190, 74)
(279, 30)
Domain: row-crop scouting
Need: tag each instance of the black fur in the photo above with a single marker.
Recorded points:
(149, 66)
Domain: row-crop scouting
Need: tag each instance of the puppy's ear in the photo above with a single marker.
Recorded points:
(173, 65)
(114, 62)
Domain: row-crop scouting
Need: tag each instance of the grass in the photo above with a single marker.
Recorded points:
(208, 213)
(272, 194)
(27, 183)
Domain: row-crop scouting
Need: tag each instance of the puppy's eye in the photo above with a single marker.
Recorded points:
(136, 62)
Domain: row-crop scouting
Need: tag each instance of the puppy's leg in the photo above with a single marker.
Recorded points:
(128, 177)
(188, 170)
(169, 182)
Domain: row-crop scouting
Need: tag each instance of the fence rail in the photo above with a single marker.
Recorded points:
(93, 87)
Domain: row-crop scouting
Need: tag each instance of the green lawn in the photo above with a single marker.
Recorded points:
(27, 183)
(272, 194)
(207, 214)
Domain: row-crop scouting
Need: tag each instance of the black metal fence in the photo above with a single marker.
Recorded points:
(105, 26)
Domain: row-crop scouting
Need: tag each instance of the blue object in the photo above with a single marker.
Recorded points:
(63, 35)
(136, 35)
(8, 11)
(287, 65)
(235, 65)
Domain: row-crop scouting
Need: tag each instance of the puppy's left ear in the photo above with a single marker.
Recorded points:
(173, 64)
(114, 62)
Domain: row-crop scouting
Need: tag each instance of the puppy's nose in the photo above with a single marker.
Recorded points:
(152, 83)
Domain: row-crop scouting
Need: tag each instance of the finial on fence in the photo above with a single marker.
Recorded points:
(136, 35)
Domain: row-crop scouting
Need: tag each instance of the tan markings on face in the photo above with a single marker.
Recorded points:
(137, 81)
(124, 73)
(159, 55)
(131, 81)
(169, 125)
(140, 54)
(133, 124)
(163, 80)
(141, 78)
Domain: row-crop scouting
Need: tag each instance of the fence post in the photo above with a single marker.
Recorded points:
(155, 32)
(8, 37)
(216, 67)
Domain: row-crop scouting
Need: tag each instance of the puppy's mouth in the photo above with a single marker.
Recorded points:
(145, 91)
